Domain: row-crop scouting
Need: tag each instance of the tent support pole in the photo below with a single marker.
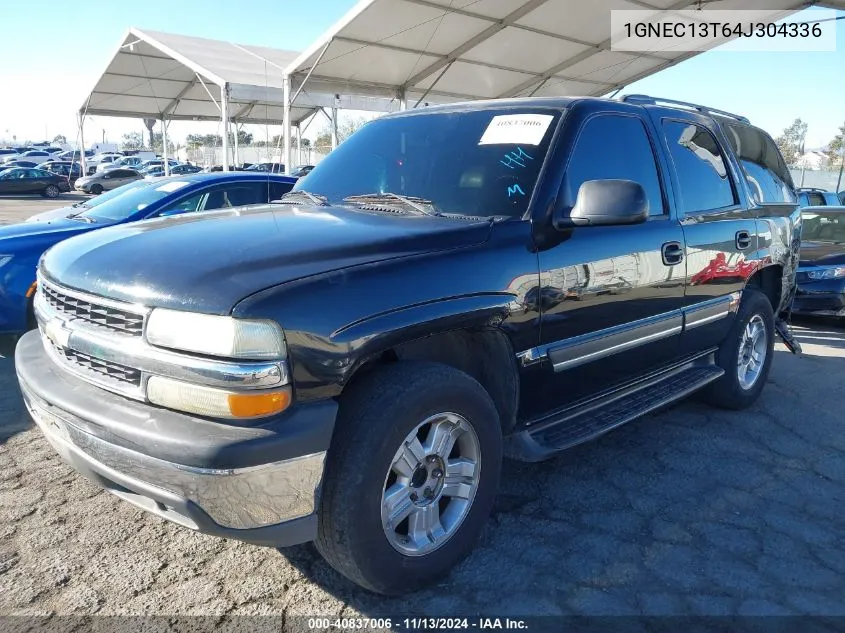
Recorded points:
(334, 128)
(403, 100)
(164, 145)
(83, 166)
(224, 115)
(286, 122)
(237, 158)
(298, 144)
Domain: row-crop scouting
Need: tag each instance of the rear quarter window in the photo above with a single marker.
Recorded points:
(764, 169)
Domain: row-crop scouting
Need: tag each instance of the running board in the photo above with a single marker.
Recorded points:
(587, 422)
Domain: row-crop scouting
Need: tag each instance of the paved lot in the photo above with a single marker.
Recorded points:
(18, 208)
(693, 511)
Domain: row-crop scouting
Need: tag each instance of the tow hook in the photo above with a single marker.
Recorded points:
(782, 328)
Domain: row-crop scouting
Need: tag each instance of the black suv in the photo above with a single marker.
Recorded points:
(451, 285)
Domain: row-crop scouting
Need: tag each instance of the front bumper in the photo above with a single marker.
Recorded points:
(256, 484)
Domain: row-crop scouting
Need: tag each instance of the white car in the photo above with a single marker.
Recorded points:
(35, 156)
(96, 160)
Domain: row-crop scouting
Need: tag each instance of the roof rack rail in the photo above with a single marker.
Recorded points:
(645, 99)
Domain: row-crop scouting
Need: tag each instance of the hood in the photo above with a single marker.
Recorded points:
(55, 214)
(208, 262)
(822, 254)
(24, 237)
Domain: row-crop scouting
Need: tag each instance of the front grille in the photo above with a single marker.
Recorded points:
(86, 363)
(95, 314)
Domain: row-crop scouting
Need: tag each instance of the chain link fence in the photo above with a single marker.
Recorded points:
(827, 179)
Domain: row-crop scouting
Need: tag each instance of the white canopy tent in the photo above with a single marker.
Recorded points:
(175, 77)
(396, 52)
(384, 54)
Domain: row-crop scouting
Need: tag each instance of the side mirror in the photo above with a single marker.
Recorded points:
(605, 203)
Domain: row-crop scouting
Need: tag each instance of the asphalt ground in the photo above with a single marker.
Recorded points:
(693, 511)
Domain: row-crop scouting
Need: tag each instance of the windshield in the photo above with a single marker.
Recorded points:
(108, 195)
(133, 200)
(823, 227)
(478, 163)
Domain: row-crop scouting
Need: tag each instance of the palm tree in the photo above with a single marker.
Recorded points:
(150, 124)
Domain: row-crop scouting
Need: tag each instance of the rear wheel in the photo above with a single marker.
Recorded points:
(745, 354)
(51, 191)
(410, 477)
(96, 189)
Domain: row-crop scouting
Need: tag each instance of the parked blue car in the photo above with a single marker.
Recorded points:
(21, 245)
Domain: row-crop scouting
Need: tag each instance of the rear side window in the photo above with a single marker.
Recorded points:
(815, 199)
(700, 167)
(613, 147)
(236, 194)
(763, 167)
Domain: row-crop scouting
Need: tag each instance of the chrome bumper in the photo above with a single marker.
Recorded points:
(239, 499)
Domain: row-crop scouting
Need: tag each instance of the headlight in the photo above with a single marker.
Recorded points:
(822, 272)
(216, 403)
(216, 335)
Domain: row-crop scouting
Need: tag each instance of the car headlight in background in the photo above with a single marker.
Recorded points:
(821, 272)
(224, 336)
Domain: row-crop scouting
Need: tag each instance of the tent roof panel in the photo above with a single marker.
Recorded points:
(509, 47)
(522, 50)
(584, 21)
(427, 29)
(153, 74)
(485, 81)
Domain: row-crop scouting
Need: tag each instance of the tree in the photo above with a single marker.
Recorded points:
(791, 142)
(244, 138)
(836, 148)
(195, 141)
(158, 145)
(150, 124)
(133, 140)
(60, 139)
(345, 129)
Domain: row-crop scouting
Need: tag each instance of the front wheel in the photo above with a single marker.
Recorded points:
(51, 191)
(96, 189)
(745, 354)
(411, 476)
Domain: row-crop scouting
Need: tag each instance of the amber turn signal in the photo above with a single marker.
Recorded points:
(251, 405)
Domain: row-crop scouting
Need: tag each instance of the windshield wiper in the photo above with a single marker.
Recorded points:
(292, 197)
(82, 218)
(420, 205)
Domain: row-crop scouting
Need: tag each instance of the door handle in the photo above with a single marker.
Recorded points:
(672, 253)
(743, 240)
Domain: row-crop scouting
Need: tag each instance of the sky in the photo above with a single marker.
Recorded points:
(51, 64)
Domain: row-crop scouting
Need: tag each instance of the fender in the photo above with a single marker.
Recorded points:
(322, 370)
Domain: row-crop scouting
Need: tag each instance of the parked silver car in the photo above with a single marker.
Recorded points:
(106, 180)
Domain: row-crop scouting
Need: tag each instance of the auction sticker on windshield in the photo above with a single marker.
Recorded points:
(508, 129)
(172, 186)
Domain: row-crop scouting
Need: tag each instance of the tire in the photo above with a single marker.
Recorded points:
(377, 418)
(96, 189)
(51, 191)
(731, 391)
